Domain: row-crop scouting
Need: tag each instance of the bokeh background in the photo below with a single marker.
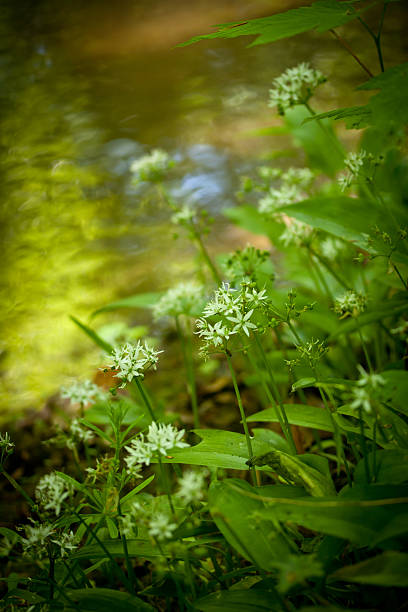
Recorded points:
(86, 88)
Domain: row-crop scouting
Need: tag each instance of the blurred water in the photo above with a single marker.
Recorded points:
(86, 88)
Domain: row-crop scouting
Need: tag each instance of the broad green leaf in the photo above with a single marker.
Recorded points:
(258, 541)
(239, 600)
(252, 220)
(218, 448)
(297, 472)
(302, 383)
(33, 598)
(298, 414)
(358, 514)
(321, 16)
(388, 106)
(396, 388)
(391, 466)
(390, 569)
(339, 215)
(271, 438)
(108, 348)
(140, 300)
(106, 600)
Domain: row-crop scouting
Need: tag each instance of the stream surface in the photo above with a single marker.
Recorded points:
(88, 87)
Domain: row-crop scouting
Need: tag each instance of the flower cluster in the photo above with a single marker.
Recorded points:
(132, 360)
(77, 434)
(359, 165)
(83, 393)
(296, 233)
(184, 299)
(287, 194)
(160, 438)
(37, 536)
(367, 387)
(161, 526)
(191, 486)
(244, 265)
(295, 86)
(152, 168)
(230, 312)
(51, 492)
(331, 248)
(184, 216)
(312, 351)
(294, 182)
(351, 303)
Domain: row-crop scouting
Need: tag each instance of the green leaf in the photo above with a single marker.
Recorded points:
(339, 215)
(106, 600)
(321, 16)
(136, 490)
(252, 220)
(396, 388)
(108, 348)
(358, 515)
(302, 383)
(272, 439)
(140, 300)
(391, 466)
(218, 448)
(297, 472)
(390, 569)
(298, 414)
(259, 542)
(239, 600)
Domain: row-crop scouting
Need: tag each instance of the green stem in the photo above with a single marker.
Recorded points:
(286, 429)
(363, 344)
(243, 417)
(145, 398)
(363, 446)
(207, 258)
(165, 483)
(129, 566)
(328, 133)
(320, 277)
(293, 330)
(18, 488)
(350, 50)
(187, 352)
(329, 268)
(400, 276)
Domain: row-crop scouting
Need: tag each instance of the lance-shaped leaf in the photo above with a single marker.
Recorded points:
(235, 515)
(298, 414)
(387, 570)
(297, 472)
(140, 300)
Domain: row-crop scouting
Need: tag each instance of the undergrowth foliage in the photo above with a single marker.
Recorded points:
(151, 517)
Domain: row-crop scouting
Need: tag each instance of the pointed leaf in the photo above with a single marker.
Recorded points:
(140, 300)
(388, 570)
(93, 335)
(298, 414)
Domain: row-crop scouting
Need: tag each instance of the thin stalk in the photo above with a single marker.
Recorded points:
(17, 487)
(165, 483)
(187, 352)
(243, 417)
(117, 567)
(287, 431)
(207, 258)
(400, 276)
(51, 574)
(374, 478)
(376, 37)
(350, 50)
(329, 268)
(145, 398)
(364, 445)
(129, 566)
(320, 277)
(325, 130)
(293, 330)
(363, 344)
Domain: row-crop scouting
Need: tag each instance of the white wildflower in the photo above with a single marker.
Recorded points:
(162, 438)
(66, 543)
(351, 303)
(295, 86)
(83, 393)
(129, 522)
(361, 399)
(161, 526)
(184, 216)
(37, 536)
(296, 233)
(242, 322)
(152, 167)
(245, 264)
(77, 434)
(191, 486)
(131, 361)
(139, 452)
(354, 163)
(302, 177)
(52, 491)
(184, 299)
(216, 335)
(332, 248)
(374, 381)
(287, 194)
